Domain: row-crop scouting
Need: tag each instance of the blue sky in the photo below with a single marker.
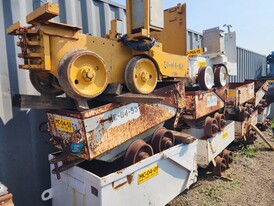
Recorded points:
(251, 19)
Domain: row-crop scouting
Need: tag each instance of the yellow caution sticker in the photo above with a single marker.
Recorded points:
(231, 93)
(201, 64)
(194, 52)
(148, 174)
(225, 135)
(63, 124)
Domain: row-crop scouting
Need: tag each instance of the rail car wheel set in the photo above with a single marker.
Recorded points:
(138, 113)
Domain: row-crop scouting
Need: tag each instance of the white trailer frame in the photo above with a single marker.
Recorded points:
(153, 181)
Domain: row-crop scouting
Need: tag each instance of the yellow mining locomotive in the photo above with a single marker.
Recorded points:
(60, 59)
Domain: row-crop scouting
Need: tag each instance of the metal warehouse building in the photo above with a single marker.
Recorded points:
(24, 165)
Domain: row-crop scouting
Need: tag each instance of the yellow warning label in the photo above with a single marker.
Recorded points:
(225, 135)
(148, 174)
(231, 93)
(201, 64)
(194, 52)
(63, 124)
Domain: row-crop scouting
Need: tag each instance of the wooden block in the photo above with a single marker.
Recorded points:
(183, 137)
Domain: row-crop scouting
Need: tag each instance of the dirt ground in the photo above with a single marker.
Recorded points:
(250, 180)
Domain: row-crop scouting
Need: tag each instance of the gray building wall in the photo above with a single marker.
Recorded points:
(24, 167)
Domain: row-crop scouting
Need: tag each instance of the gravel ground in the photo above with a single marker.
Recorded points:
(250, 181)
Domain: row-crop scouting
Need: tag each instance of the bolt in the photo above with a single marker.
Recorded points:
(142, 155)
(166, 143)
(215, 128)
(144, 75)
(88, 75)
(230, 159)
(223, 167)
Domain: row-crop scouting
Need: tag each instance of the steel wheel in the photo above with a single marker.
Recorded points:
(220, 76)
(162, 139)
(250, 137)
(220, 167)
(45, 83)
(82, 74)
(141, 75)
(228, 156)
(220, 120)
(243, 113)
(211, 127)
(205, 77)
(137, 151)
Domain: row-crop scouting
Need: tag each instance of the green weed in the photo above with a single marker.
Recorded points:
(272, 123)
(249, 151)
(215, 192)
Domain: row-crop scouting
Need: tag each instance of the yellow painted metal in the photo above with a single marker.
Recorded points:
(46, 52)
(173, 36)
(30, 55)
(113, 33)
(43, 13)
(14, 27)
(115, 54)
(170, 65)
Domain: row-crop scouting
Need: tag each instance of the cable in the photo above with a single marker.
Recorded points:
(138, 46)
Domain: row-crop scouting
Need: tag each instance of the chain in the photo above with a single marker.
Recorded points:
(23, 40)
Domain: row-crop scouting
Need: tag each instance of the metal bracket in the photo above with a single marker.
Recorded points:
(81, 105)
(66, 164)
(47, 195)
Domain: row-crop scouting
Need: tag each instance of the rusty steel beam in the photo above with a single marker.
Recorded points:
(42, 102)
(262, 136)
(130, 98)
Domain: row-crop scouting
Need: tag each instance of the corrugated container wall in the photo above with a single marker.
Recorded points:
(24, 167)
(251, 65)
